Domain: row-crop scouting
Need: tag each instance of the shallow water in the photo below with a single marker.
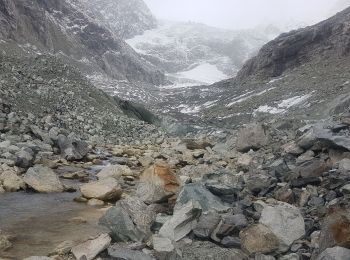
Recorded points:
(40, 222)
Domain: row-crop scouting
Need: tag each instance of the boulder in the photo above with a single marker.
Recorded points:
(285, 221)
(197, 192)
(91, 248)
(183, 221)
(344, 165)
(207, 223)
(253, 136)
(335, 253)
(164, 248)
(43, 179)
(313, 168)
(158, 183)
(25, 158)
(11, 181)
(121, 226)
(105, 189)
(72, 149)
(258, 239)
(114, 171)
(4, 242)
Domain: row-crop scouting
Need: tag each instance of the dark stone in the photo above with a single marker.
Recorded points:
(231, 242)
(302, 182)
(72, 149)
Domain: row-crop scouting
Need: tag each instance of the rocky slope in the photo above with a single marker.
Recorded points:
(303, 74)
(65, 29)
(125, 18)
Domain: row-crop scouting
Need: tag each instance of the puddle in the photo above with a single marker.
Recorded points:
(40, 222)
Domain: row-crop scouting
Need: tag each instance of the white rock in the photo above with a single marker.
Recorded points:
(105, 189)
(285, 221)
(91, 248)
(114, 171)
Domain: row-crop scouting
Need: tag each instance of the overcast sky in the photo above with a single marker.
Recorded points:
(239, 14)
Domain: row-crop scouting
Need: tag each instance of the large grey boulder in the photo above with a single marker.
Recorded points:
(25, 158)
(285, 221)
(253, 136)
(183, 221)
(121, 226)
(197, 192)
(43, 179)
(72, 149)
(91, 248)
(335, 253)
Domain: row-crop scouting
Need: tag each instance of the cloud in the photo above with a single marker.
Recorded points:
(238, 14)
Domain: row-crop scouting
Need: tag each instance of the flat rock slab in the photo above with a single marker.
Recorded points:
(91, 248)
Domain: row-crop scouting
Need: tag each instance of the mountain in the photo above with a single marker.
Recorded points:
(126, 18)
(304, 73)
(64, 28)
(186, 50)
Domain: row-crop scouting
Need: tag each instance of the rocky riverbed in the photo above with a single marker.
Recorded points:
(268, 191)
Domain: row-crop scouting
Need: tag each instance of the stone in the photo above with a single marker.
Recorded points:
(231, 242)
(72, 149)
(95, 202)
(264, 257)
(119, 252)
(4, 242)
(182, 222)
(163, 175)
(64, 248)
(258, 239)
(253, 136)
(38, 258)
(285, 221)
(106, 190)
(197, 192)
(231, 224)
(335, 253)
(91, 248)
(11, 181)
(302, 182)
(164, 248)
(114, 171)
(42, 179)
(121, 226)
(150, 193)
(313, 168)
(292, 148)
(207, 223)
(25, 158)
(345, 189)
(290, 257)
(344, 165)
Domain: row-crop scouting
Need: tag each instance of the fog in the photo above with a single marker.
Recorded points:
(242, 14)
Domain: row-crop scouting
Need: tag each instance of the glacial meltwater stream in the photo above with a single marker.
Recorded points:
(40, 222)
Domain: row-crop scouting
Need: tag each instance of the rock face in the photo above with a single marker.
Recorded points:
(286, 223)
(125, 18)
(253, 137)
(106, 190)
(291, 49)
(40, 23)
(91, 248)
(42, 179)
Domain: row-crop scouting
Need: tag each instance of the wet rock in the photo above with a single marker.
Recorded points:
(258, 239)
(114, 171)
(106, 190)
(91, 248)
(95, 202)
(119, 252)
(72, 149)
(285, 221)
(207, 222)
(121, 226)
(11, 181)
(43, 179)
(252, 136)
(335, 253)
(182, 222)
(197, 192)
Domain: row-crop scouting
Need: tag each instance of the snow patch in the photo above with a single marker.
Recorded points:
(245, 96)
